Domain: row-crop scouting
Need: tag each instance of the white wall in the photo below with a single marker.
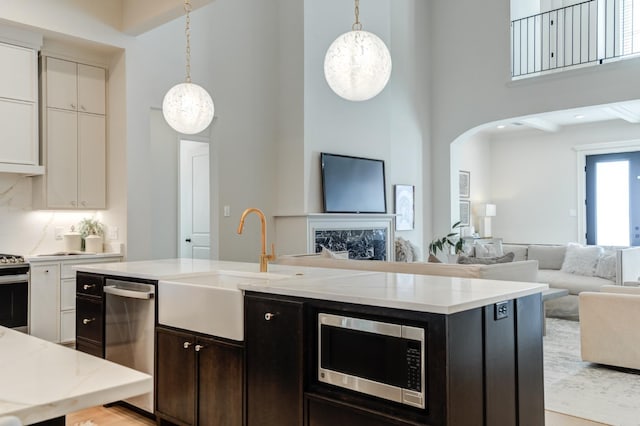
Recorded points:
(473, 84)
(534, 180)
(476, 158)
(237, 64)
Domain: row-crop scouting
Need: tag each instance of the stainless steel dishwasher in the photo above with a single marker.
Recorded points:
(129, 330)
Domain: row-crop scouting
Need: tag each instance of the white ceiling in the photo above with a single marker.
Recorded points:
(554, 121)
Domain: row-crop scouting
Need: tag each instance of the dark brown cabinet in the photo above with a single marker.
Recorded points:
(90, 314)
(274, 361)
(199, 380)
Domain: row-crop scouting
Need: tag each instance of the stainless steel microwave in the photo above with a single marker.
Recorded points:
(376, 358)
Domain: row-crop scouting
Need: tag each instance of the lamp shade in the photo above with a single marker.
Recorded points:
(188, 108)
(489, 210)
(357, 65)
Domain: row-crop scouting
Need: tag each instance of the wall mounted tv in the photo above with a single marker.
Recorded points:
(352, 184)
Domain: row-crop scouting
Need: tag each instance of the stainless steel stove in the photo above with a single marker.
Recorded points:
(14, 292)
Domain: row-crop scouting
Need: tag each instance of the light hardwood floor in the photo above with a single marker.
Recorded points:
(115, 416)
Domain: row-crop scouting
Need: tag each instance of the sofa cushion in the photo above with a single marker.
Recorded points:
(548, 257)
(572, 282)
(581, 260)
(468, 260)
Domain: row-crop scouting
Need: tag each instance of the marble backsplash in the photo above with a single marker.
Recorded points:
(29, 232)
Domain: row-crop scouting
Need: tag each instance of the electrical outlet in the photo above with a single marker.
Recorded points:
(59, 230)
(227, 211)
(501, 310)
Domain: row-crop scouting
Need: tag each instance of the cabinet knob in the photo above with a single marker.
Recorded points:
(46, 271)
(73, 106)
(87, 286)
(88, 320)
(82, 108)
(199, 347)
(186, 345)
(269, 316)
(83, 203)
(73, 203)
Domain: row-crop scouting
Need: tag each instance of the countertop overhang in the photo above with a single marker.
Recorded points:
(42, 380)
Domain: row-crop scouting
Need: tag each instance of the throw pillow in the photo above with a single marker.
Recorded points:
(489, 249)
(548, 257)
(405, 251)
(606, 267)
(468, 260)
(581, 260)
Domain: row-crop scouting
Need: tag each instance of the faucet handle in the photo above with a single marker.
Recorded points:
(272, 256)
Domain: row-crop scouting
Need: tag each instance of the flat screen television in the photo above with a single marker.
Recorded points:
(352, 184)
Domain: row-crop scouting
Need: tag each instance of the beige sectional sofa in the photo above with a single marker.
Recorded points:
(613, 266)
(515, 271)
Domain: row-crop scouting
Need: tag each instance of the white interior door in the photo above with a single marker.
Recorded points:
(195, 237)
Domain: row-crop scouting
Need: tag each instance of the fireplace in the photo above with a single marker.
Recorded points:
(364, 236)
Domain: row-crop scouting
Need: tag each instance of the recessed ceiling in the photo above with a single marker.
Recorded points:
(554, 121)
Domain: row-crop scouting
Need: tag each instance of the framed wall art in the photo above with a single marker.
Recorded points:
(404, 207)
(465, 184)
(465, 212)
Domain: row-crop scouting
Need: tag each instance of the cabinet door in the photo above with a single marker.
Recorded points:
(20, 79)
(91, 161)
(91, 89)
(67, 326)
(62, 89)
(274, 360)
(62, 159)
(176, 375)
(44, 308)
(19, 124)
(220, 383)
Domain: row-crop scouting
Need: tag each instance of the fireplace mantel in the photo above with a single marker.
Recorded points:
(296, 234)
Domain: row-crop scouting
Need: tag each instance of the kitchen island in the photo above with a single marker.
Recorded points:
(42, 381)
(260, 363)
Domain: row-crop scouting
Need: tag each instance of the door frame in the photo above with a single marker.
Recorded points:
(582, 151)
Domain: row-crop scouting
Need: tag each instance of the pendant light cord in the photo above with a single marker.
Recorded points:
(187, 32)
(357, 26)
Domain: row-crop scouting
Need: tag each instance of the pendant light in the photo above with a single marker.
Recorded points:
(187, 107)
(357, 65)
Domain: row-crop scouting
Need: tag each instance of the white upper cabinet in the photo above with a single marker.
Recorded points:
(76, 87)
(73, 136)
(18, 110)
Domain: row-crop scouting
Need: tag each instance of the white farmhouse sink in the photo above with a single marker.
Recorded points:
(209, 304)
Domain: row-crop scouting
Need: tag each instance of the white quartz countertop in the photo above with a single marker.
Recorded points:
(40, 380)
(426, 293)
(60, 256)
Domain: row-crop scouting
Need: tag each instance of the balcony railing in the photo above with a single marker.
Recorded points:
(590, 32)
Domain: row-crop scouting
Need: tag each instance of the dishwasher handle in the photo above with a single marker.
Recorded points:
(132, 294)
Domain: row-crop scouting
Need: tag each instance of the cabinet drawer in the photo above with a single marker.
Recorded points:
(326, 413)
(89, 284)
(90, 348)
(89, 319)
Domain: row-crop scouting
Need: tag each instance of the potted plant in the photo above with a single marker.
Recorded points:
(446, 243)
(92, 232)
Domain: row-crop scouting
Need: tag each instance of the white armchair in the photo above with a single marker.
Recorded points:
(609, 326)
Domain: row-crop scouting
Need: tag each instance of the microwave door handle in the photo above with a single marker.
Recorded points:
(132, 294)
(14, 279)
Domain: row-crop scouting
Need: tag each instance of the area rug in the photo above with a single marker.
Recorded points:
(582, 389)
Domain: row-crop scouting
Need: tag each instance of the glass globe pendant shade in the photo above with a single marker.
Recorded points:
(188, 108)
(357, 65)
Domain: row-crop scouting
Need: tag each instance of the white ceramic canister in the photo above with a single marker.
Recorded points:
(72, 241)
(93, 244)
